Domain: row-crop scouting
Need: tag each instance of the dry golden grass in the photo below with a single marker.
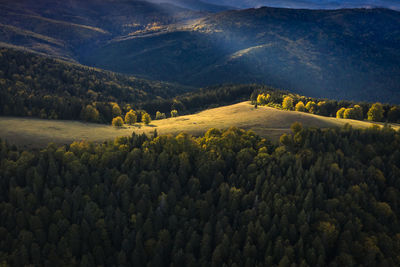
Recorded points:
(265, 121)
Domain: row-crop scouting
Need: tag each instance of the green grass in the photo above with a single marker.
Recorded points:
(265, 121)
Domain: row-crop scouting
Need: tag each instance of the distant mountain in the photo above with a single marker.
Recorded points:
(310, 4)
(197, 5)
(351, 54)
(63, 28)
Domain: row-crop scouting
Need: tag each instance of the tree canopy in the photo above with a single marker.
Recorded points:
(324, 197)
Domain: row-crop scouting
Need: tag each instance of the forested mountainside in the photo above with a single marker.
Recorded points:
(32, 85)
(321, 197)
(344, 54)
(37, 86)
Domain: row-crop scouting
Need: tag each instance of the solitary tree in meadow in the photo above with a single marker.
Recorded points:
(146, 118)
(117, 121)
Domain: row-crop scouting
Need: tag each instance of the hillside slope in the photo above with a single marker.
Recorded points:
(264, 121)
(32, 85)
(343, 54)
(348, 54)
(65, 28)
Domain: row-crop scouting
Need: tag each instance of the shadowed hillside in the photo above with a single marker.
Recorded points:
(343, 54)
(32, 85)
(346, 54)
(64, 28)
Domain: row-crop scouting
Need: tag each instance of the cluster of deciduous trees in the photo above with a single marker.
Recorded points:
(131, 117)
(319, 198)
(340, 109)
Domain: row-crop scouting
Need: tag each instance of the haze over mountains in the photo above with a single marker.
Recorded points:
(349, 54)
(306, 4)
(310, 4)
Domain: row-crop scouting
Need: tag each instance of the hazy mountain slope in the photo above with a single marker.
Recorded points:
(310, 4)
(74, 25)
(196, 5)
(352, 54)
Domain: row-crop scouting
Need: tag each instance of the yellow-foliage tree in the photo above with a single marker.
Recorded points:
(160, 116)
(263, 99)
(174, 113)
(340, 113)
(116, 110)
(300, 106)
(311, 106)
(117, 122)
(146, 118)
(287, 103)
(130, 117)
(375, 113)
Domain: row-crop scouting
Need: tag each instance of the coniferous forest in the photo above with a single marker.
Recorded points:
(228, 198)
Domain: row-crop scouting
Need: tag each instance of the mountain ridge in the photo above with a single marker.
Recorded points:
(348, 53)
(314, 52)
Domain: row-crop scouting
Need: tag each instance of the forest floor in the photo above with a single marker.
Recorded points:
(265, 121)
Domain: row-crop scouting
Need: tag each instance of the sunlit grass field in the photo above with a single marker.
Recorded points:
(265, 121)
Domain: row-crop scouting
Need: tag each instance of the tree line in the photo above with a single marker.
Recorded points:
(320, 197)
(324, 107)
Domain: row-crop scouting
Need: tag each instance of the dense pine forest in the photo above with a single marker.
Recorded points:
(321, 197)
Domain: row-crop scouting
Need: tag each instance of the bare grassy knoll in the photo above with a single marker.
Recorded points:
(265, 121)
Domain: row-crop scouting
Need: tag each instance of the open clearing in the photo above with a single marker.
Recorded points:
(265, 121)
